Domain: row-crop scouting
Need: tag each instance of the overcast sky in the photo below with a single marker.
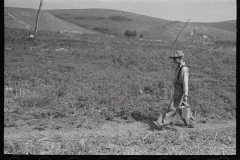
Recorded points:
(181, 10)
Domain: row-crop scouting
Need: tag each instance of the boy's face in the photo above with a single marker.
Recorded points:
(177, 60)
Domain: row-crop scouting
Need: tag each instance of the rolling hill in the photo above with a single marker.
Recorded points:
(114, 22)
(107, 21)
(17, 17)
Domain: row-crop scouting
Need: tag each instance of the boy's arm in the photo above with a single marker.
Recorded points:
(185, 74)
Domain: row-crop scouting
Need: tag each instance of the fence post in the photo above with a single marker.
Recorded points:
(36, 26)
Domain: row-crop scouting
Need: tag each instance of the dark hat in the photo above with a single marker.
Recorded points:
(177, 54)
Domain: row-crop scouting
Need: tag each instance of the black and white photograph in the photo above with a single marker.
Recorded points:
(120, 77)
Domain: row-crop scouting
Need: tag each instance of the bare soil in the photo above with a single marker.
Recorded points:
(111, 129)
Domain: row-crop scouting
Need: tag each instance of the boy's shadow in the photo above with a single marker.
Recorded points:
(149, 121)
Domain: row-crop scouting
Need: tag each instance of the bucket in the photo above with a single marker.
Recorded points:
(185, 112)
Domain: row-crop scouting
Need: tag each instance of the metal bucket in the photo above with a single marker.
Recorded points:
(185, 112)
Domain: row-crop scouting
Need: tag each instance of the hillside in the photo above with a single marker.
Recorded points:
(225, 25)
(16, 17)
(170, 30)
(115, 22)
(107, 21)
(13, 22)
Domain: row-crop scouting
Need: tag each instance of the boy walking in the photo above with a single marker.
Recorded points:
(180, 95)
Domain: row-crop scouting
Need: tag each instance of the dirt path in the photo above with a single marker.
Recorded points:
(110, 129)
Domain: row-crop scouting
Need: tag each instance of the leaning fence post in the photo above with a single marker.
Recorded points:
(180, 32)
(36, 26)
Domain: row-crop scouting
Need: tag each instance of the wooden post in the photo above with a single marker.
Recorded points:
(36, 26)
(193, 34)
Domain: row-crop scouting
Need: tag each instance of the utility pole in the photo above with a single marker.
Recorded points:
(36, 26)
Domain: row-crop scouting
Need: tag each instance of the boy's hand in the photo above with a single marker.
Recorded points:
(185, 98)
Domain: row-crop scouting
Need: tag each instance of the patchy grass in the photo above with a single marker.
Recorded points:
(206, 142)
(100, 78)
(103, 73)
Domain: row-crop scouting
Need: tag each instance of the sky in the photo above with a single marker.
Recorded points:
(181, 10)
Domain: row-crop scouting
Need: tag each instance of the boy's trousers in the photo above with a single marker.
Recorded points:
(169, 114)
